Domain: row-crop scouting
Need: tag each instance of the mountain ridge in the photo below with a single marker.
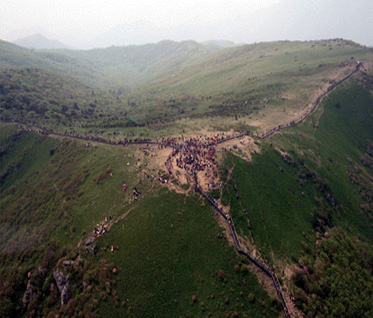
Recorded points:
(40, 42)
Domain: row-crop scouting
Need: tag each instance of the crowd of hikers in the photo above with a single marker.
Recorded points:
(195, 154)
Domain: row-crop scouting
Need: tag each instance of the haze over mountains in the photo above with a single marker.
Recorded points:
(38, 41)
(285, 20)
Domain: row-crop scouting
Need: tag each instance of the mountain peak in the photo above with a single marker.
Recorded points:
(39, 41)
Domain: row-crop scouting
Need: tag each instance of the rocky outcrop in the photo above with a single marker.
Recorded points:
(91, 248)
(29, 294)
(289, 160)
(89, 240)
(42, 271)
(63, 285)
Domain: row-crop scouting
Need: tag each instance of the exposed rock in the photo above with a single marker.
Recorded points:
(89, 241)
(65, 295)
(63, 285)
(289, 160)
(29, 294)
(61, 279)
(92, 249)
(66, 263)
(42, 271)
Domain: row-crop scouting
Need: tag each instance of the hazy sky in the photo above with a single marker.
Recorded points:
(95, 16)
(87, 23)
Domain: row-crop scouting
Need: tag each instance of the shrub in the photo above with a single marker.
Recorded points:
(221, 275)
(251, 298)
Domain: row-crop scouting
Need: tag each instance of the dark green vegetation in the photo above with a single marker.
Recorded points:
(339, 277)
(54, 100)
(31, 210)
(308, 180)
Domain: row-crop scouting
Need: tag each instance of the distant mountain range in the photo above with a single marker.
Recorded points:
(39, 41)
(285, 20)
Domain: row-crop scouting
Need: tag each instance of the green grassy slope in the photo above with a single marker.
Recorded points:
(168, 245)
(248, 78)
(187, 79)
(337, 142)
(314, 208)
(168, 252)
(32, 169)
(328, 180)
(279, 215)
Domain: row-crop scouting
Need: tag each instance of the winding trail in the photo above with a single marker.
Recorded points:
(193, 161)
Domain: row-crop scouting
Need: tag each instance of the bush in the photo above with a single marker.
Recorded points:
(221, 275)
(251, 298)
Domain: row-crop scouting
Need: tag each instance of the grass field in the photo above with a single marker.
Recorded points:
(281, 200)
(168, 245)
(169, 252)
